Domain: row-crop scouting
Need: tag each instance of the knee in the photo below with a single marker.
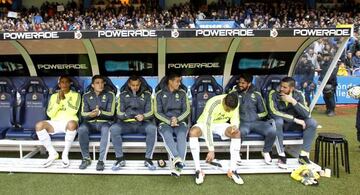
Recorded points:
(105, 128)
(311, 123)
(39, 126)
(83, 129)
(150, 129)
(271, 131)
(232, 134)
(279, 121)
(115, 130)
(72, 125)
(195, 132)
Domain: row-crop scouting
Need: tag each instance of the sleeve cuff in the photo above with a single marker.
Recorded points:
(211, 148)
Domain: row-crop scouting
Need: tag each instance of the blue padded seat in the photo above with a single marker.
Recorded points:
(95, 136)
(21, 134)
(34, 96)
(7, 105)
(288, 135)
(204, 88)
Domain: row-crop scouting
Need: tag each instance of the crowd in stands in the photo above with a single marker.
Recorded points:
(324, 48)
(289, 14)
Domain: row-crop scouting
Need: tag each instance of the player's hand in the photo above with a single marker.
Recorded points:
(288, 98)
(234, 130)
(174, 122)
(61, 95)
(300, 122)
(139, 117)
(210, 156)
(93, 114)
(305, 84)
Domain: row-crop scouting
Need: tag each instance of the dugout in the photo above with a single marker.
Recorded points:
(154, 53)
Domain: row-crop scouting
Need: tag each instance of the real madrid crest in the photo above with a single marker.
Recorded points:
(253, 97)
(3, 97)
(34, 97)
(177, 96)
(91, 97)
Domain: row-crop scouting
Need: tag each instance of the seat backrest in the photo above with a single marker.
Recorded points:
(268, 83)
(74, 86)
(163, 82)
(356, 72)
(202, 90)
(7, 103)
(234, 80)
(34, 99)
(109, 86)
(144, 84)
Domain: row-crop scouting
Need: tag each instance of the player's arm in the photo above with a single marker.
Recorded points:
(86, 113)
(207, 116)
(53, 106)
(149, 109)
(108, 113)
(273, 107)
(121, 110)
(159, 111)
(260, 105)
(301, 107)
(185, 107)
(73, 104)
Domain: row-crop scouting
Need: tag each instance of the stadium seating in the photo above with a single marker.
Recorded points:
(204, 88)
(7, 105)
(32, 108)
(356, 72)
(24, 134)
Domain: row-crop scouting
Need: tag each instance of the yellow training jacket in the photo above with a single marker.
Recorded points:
(67, 109)
(214, 113)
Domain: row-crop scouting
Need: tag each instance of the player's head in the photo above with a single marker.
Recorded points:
(245, 80)
(134, 83)
(174, 81)
(287, 85)
(230, 102)
(64, 83)
(98, 83)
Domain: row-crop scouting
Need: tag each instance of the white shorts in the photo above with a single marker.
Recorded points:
(59, 126)
(218, 129)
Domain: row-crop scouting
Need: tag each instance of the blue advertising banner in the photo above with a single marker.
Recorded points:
(215, 24)
(344, 83)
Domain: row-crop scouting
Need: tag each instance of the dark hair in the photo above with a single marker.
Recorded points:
(231, 101)
(247, 77)
(289, 80)
(96, 77)
(172, 76)
(64, 77)
(134, 78)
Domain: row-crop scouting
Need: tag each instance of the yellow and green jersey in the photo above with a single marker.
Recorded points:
(66, 109)
(214, 113)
